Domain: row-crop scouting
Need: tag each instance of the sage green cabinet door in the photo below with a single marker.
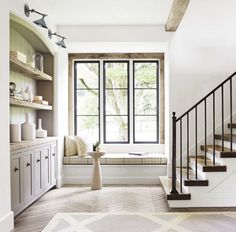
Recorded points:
(16, 195)
(46, 167)
(38, 188)
(28, 176)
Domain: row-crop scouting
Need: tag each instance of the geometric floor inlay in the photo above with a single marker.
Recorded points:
(143, 222)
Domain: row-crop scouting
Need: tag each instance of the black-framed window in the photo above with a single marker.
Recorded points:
(146, 102)
(116, 94)
(87, 99)
(116, 101)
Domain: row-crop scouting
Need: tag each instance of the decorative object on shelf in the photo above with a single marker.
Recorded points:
(40, 133)
(23, 95)
(15, 133)
(40, 22)
(28, 128)
(28, 94)
(61, 42)
(38, 61)
(43, 102)
(12, 88)
(96, 146)
(16, 55)
(38, 98)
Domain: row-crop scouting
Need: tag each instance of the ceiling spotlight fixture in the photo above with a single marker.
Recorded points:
(61, 42)
(40, 22)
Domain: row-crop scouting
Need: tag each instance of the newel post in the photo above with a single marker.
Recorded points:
(174, 190)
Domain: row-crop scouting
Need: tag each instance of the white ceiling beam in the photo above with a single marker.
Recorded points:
(177, 12)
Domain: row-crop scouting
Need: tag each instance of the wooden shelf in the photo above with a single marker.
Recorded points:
(28, 70)
(16, 102)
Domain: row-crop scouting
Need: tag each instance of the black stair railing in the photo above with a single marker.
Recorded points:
(186, 115)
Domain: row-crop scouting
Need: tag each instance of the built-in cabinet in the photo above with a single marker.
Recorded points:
(33, 172)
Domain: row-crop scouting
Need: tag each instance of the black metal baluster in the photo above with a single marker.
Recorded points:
(222, 117)
(180, 139)
(187, 146)
(231, 117)
(214, 145)
(174, 190)
(205, 118)
(196, 142)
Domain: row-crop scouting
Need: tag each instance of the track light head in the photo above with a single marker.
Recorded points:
(61, 43)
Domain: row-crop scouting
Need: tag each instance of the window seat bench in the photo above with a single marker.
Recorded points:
(118, 159)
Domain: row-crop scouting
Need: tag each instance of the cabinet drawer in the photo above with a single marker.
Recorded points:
(46, 167)
(38, 171)
(53, 164)
(16, 182)
(28, 176)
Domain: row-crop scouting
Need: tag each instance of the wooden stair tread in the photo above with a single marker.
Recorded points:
(226, 137)
(209, 167)
(218, 149)
(192, 181)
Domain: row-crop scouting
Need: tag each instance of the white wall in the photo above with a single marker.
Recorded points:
(118, 39)
(202, 53)
(61, 109)
(6, 216)
(114, 33)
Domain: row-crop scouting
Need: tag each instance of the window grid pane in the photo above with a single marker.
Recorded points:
(86, 105)
(146, 102)
(116, 99)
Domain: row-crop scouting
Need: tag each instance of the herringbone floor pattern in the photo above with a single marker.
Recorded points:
(138, 199)
(149, 199)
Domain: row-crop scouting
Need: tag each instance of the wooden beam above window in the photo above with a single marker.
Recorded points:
(104, 56)
(177, 12)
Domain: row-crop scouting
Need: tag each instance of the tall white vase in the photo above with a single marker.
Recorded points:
(40, 133)
(15, 133)
(28, 128)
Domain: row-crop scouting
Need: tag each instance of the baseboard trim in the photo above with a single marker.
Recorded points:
(113, 180)
(60, 182)
(7, 222)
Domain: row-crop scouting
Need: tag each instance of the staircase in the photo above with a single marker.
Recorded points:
(204, 152)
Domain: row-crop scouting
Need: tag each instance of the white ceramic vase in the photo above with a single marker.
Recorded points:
(28, 128)
(40, 133)
(15, 133)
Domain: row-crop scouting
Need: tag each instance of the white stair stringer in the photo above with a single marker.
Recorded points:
(221, 191)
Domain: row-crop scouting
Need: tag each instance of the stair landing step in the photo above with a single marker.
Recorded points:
(209, 167)
(227, 137)
(218, 149)
(179, 196)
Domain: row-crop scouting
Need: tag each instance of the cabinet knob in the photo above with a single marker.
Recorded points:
(53, 154)
(16, 169)
(28, 164)
(46, 157)
(38, 160)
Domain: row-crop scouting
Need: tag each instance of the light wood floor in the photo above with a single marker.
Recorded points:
(74, 198)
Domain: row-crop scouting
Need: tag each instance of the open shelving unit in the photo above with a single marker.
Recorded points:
(27, 39)
(31, 105)
(28, 70)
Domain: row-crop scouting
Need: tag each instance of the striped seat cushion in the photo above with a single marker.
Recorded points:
(118, 159)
